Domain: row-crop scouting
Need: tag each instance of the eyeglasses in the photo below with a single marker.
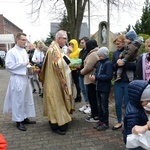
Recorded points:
(64, 37)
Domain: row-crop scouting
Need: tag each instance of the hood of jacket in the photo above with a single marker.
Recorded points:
(90, 45)
(75, 49)
(135, 90)
(75, 45)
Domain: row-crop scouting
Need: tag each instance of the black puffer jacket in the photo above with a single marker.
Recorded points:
(134, 114)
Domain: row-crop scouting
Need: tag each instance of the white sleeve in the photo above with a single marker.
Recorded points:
(34, 56)
(13, 66)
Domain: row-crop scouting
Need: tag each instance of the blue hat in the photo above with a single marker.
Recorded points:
(131, 35)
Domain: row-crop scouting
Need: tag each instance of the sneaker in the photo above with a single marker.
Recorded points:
(87, 111)
(99, 123)
(83, 108)
(90, 119)
(78, 98)
(89, 115)
(102, 127)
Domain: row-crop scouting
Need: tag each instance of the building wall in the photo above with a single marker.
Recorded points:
(1, 24)
(110, 44)
(83, 32)
(7, 27)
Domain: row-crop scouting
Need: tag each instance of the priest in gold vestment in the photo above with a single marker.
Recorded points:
(57, 84)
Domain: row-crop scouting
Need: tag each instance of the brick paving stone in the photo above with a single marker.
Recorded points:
(80, 134)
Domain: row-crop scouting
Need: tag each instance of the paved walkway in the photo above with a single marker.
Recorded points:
(80, 134)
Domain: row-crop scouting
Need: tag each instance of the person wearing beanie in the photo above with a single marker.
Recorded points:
(103, 77)
(103, 51)
(145, 98)
(130, 54)
(139, 97)
(131, 35)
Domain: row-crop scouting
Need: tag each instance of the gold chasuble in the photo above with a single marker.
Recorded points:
(57, 83)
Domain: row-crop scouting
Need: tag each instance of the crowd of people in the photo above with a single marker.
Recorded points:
(92, 74)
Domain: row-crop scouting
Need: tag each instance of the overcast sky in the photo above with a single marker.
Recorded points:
(17, 13)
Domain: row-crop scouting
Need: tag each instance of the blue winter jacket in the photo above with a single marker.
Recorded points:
(135, 113)
(103, 75)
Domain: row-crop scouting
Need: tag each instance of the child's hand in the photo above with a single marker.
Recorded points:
(120, 62)
(92, 77)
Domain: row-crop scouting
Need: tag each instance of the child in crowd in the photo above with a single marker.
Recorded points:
(40, 65)
(139, 97)
(103, 76)
(73, 53)
(36, 59)
(130, 53)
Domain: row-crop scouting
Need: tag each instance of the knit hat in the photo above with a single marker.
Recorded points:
(131, 35)
(146, 94)
(103, 51)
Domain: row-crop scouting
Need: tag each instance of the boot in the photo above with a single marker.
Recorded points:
(78, 98)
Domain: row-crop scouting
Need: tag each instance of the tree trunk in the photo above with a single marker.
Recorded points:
(75, 13)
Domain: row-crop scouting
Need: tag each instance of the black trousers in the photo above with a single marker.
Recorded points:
(75, 77)
(91, 88)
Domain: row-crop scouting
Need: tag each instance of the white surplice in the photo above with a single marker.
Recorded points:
(19, 98)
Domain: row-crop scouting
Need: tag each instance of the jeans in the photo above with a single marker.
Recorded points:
(35, 78)
(83, 89)
(102, 102)
(91, 89)
(121, 96)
